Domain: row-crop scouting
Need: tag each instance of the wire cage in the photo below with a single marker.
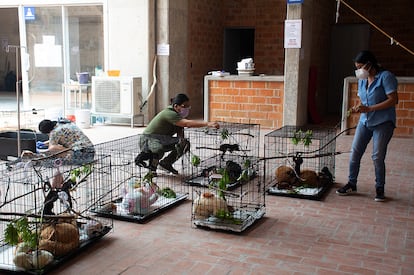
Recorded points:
(231, 210)
(300, 162)
(224, 172)
(138, 194)
(234, 146)
(45, 210)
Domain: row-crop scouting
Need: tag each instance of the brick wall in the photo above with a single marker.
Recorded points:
(207, 21)
(261, 102)
(405, 107)
(246, 101)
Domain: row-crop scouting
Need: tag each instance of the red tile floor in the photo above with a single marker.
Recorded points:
(338, 235)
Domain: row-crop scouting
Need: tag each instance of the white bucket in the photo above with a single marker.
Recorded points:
(83, 118)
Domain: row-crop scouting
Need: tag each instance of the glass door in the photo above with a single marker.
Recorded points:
(61, 42)
(44, 46)
(85, 39)
(85, 54)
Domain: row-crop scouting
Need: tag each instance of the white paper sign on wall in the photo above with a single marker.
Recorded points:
(163, 49)
(293, 33)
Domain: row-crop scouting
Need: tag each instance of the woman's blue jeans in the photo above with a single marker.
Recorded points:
(381, 136)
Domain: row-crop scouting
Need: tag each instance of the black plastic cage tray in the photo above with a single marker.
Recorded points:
(240, 220)
(301, 192)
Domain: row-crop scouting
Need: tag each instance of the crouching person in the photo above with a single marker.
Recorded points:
(165, 133)
(69, 139)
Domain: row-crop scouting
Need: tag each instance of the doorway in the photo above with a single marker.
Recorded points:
(9, 36)
(238, 44)
(346, 41)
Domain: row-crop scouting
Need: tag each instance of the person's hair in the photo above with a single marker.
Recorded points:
(179, 99)
(365, 57)
(46, 126)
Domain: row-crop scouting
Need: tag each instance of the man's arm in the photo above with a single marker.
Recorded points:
(196, 123)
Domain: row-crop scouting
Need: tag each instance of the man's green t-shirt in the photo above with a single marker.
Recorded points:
(164, 123)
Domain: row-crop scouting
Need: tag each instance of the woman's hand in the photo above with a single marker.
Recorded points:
(57, 148)
(361, 109)
(391, 101)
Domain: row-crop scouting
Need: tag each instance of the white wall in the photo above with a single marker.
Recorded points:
(129, 39)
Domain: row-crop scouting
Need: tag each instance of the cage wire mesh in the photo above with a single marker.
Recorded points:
(138, 194)
(299, 162)
(224, 172)
(234, 144)
(45, 210)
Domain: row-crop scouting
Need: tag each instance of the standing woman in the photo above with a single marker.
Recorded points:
(377, 91)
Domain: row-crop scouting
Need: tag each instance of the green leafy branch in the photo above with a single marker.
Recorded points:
(302, 137)
(84, 171)
(148, 177)
(195, 160)
(19, 231)
(223, 183)
(167, 193)
(225, 134)
(226, 215)
(244, 176)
